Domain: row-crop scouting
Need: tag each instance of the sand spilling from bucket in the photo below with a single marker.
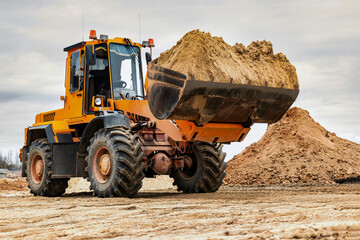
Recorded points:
(203, 57)
(296, 150)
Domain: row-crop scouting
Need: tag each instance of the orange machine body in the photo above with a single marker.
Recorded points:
(63, 120)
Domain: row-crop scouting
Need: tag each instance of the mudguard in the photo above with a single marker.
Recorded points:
(107, 119)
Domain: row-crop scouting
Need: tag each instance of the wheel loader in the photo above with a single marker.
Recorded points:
(115, 128)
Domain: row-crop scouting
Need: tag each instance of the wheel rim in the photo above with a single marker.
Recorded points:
(188, 173)
(102, 165)
(37, 168)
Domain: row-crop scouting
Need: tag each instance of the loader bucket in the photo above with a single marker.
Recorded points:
(171, 95)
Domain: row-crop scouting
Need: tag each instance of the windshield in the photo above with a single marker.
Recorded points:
(125, 71)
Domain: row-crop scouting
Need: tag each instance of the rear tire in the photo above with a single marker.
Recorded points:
(115, 163)
(205, 174)
(38, 171)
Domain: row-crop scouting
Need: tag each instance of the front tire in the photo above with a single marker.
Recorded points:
(38, 171)
(206, 171)
(115, 163)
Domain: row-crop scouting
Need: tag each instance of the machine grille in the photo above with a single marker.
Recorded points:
(49, 117)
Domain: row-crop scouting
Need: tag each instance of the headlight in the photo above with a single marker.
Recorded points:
(97, 101)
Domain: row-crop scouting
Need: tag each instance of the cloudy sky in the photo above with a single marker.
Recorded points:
(321, 38)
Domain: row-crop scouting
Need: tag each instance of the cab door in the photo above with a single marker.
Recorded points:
(76, 83)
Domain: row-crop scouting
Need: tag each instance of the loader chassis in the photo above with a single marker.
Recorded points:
(107, 131)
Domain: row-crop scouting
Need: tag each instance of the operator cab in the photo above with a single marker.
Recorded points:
(115, 73)
(112, 71)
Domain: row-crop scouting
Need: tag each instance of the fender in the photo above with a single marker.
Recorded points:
(107, 119)
(33, 133)
(44, 131)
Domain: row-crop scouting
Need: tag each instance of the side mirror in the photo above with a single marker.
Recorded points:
(90, 55)
(148, 58)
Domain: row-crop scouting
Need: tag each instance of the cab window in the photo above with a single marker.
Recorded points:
(125, 71)
(74, 72)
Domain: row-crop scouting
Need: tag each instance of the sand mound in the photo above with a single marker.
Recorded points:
(159, 183)
(78, 184)
(207, 58)
(295, 150)
(7, 184)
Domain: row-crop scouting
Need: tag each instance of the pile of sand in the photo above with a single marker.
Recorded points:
(7, 184)
(203, 57)
(78, 184)
(295, 150)
(162, 182)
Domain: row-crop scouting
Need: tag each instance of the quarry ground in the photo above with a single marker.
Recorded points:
(272, 212)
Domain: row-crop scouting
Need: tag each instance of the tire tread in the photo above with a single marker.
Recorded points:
(129, 163)
(209, 179)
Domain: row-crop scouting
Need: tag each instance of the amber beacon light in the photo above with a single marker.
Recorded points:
(151, 42)
(92, 34)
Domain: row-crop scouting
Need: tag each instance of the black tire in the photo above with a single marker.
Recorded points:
(205, 174)
(123, 173)
(43, 185)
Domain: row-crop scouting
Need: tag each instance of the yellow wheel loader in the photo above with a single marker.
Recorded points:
(113, 133)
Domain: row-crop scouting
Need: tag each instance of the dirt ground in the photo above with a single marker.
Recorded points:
(252, 212)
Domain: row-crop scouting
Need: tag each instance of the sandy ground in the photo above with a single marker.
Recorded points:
(272, 212)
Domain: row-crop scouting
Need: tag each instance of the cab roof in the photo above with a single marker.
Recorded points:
(126, 41)
(76, 45)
